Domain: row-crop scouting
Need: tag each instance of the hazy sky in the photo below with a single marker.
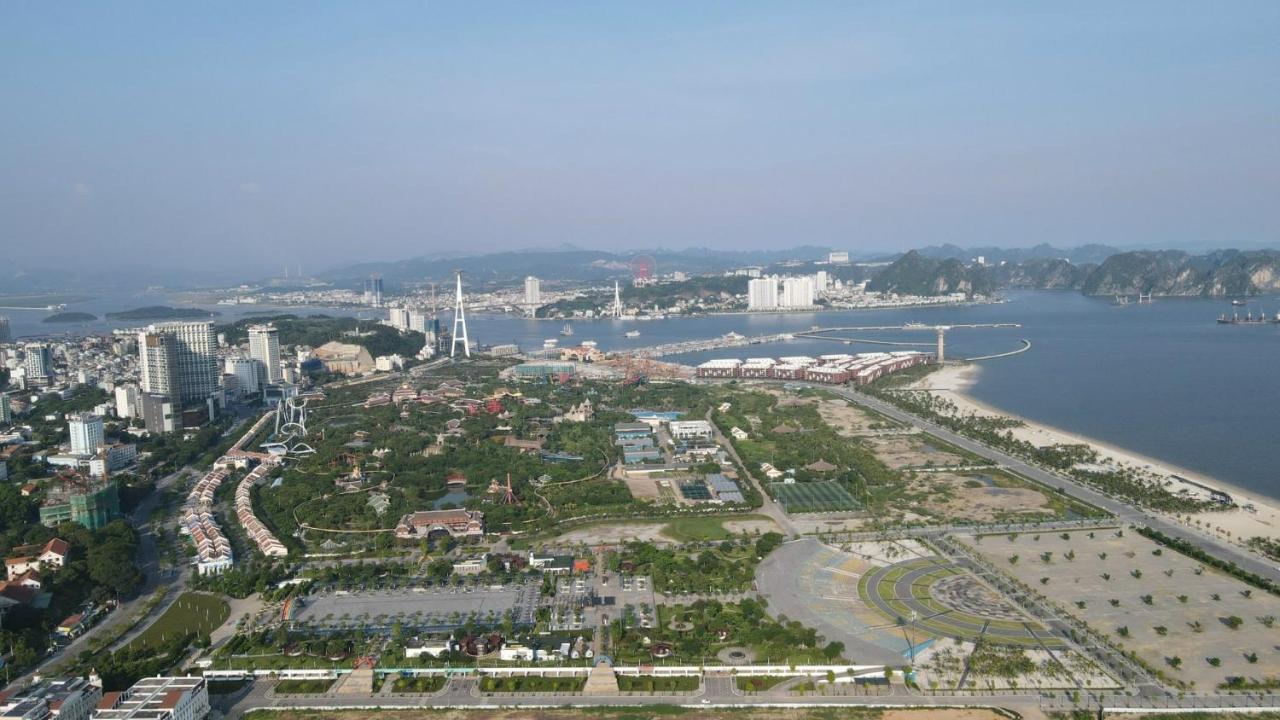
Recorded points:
(223, 134)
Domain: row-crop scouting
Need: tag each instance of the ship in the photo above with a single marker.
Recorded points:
(1239, 303)
(632, 333)
(567, 330)
(1249, 319)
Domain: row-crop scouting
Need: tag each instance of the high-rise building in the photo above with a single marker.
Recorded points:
(264, 346)
(373, 290)
(247, 372)
(127, 401)
(399, 318)
(797, 292)
(158, 357)
(419, 321)
(38, 363)
(838, 257)
(195, 352)
(6, 413)
(762, 294)
(159, 414)
(532, 291)
(821, 281)
(86, 433)
(5, 333)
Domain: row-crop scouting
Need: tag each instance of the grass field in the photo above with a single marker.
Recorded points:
(419, 684)
(302, 687)
(191, 612)
(813, 497)
(696, 530)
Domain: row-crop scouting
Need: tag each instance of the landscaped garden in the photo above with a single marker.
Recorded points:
(695, 633)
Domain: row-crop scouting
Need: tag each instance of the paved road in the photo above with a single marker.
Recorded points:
(1120, 509)
(716, 692)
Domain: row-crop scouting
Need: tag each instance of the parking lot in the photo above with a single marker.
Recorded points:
(420, 608)
(1188, 621)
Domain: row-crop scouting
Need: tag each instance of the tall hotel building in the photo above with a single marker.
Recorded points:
(179, 360)
(264, 346)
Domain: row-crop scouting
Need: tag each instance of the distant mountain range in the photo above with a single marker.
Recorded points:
(567, 263)
(1159, 272)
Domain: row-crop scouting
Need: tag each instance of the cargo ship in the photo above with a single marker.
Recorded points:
(1249, 319)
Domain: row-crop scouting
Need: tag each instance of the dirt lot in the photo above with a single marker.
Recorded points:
(1169, 609)
(850, 420)
(643, 488)
(612, 533)
(761, 526)
(951, 495)
(900, 451)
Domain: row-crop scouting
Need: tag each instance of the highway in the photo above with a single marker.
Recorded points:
(1122, 510)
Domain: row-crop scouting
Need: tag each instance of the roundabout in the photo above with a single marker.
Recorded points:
(940, 598)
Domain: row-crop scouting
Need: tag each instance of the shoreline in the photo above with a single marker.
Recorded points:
(952, 383)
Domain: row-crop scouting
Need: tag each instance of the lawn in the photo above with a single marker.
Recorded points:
(192, 612)
(806, 497)
(699, 529)
(532, 683)
(655, 684)
(419, 684)
(759, 683)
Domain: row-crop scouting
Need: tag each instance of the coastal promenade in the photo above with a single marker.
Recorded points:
(1122, 510)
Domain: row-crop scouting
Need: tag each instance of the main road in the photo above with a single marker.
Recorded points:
(1122, 510)
(716, 691)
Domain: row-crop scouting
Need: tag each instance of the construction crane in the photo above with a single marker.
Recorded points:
(941, 330)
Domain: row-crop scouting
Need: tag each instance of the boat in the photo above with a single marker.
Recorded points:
(1239, 303)
(632, 333)
(567, 330)
(1249, 319)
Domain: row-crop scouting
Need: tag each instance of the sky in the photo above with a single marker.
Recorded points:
(202, 137)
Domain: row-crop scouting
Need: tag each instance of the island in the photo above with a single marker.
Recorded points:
(70, 317)
(161, 312)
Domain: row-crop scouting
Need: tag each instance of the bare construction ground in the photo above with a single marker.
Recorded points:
(906, 451)
(1192, 623)
(850, 420)
(978, 495)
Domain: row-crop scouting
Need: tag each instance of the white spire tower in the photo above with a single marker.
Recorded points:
(460, 323)
(617, 300)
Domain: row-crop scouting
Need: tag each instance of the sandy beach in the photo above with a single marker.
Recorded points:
(1237, 524)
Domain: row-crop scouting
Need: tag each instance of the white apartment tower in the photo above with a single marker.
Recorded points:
(248, 373)
(264, 346)
(38, 362)
(762, 294)
(128, 404)
(87, 433)
(532, 291)
(194, 356)
(158, 356)
(798, 292)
